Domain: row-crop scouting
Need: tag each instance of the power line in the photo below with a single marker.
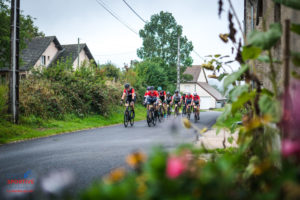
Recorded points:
(101, 3)
(134, 11)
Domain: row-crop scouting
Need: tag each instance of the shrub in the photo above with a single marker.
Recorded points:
(3, 99)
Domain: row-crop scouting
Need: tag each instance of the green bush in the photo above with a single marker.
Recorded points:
(59, 90)
(3, 99)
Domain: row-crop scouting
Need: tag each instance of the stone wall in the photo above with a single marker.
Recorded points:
(271, 13)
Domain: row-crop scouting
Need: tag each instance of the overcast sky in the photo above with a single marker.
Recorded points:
(109, 40)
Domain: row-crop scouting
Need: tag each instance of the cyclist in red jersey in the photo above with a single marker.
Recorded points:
(129, 94)
(152, 96)
(188, 100)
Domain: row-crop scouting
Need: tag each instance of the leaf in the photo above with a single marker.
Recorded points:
(296, 58)
(226, 113)
(230, 139)
(250, 52)
(234, 76)
(217, 55)
(221, 76)
(237, 91)
(265, 40)
(244, 98)
(266, 59)
(269, 106)
(289, 3)
(295, 28)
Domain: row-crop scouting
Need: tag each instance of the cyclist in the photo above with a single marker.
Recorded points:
(184, 105)
(176, 99)
(169, 98)
(188, 100)
(145, 96)
(151, 97)
(196, 100)
(162, 97)
(130, 96)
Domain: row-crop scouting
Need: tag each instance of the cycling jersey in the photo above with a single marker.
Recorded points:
(129, 92)
(196, 98)
(189, 97)
(177, 98)
(183, 97)
(162, 93)
(169, 99)
(152, 94)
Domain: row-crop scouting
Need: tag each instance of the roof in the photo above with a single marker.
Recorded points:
(70, 51)
(195, 71)
(35, 48)
(212, 91)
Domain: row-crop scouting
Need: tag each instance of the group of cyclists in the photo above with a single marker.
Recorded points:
(161, 102)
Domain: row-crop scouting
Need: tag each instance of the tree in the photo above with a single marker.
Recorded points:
(111, 71)
(27, 31)
(160, 39)
(151, 72)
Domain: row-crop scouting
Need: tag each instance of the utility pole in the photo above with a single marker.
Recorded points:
(178, 65)
(14, 61)
(78, 52)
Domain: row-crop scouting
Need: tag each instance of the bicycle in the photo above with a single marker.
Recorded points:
(169, 110)
(189, 111)
(176, 110)
(196, 113)
(151, 116)
(128, 115)
(184, 110)
(160, 112)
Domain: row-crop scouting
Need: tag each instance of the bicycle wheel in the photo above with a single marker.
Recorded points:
(149, 120)
(126, 116)
(154, 118)
(131, 118)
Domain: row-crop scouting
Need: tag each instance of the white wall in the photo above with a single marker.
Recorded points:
(82, 57)
(51, 51)
(201, 77)
(206, 100)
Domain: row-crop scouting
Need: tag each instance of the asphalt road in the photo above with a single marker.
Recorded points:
(90, 154)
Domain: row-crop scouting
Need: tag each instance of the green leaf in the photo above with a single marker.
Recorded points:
(266, 59)
(217, 55)
(221, 76)
(289, 3)
(234, 76)
(226, 113)
(230, 139)
(265, 40)
(269, 106)
(296, 58)
(237, 91)
(244, 98)
(296, 28)
(250, 52)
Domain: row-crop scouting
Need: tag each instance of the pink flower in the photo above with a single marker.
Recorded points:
(289, 147)
(175, 167)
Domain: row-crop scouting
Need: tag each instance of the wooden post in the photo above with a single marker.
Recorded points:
(286, 54)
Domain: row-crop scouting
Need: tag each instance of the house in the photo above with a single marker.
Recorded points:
(46, 51)
(210, 97)
(255, 12)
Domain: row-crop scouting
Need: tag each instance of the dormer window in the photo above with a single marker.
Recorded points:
(43, 60)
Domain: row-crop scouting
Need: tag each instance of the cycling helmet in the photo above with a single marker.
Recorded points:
(168, 93)
(127, 85)
(195, 94)
(159, 88)
(148, 88)
(184, 94)
(176, 91)
(151, 87)
(188, 93)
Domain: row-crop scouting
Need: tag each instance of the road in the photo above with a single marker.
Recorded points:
(90, 154)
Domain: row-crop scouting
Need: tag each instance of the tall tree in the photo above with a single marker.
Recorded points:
(160, 39)
(27, 31)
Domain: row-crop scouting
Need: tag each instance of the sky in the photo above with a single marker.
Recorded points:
(110, 40)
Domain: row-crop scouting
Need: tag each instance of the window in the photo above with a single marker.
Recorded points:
(43, 60)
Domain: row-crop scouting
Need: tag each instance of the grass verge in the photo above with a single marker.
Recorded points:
(32, 127)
